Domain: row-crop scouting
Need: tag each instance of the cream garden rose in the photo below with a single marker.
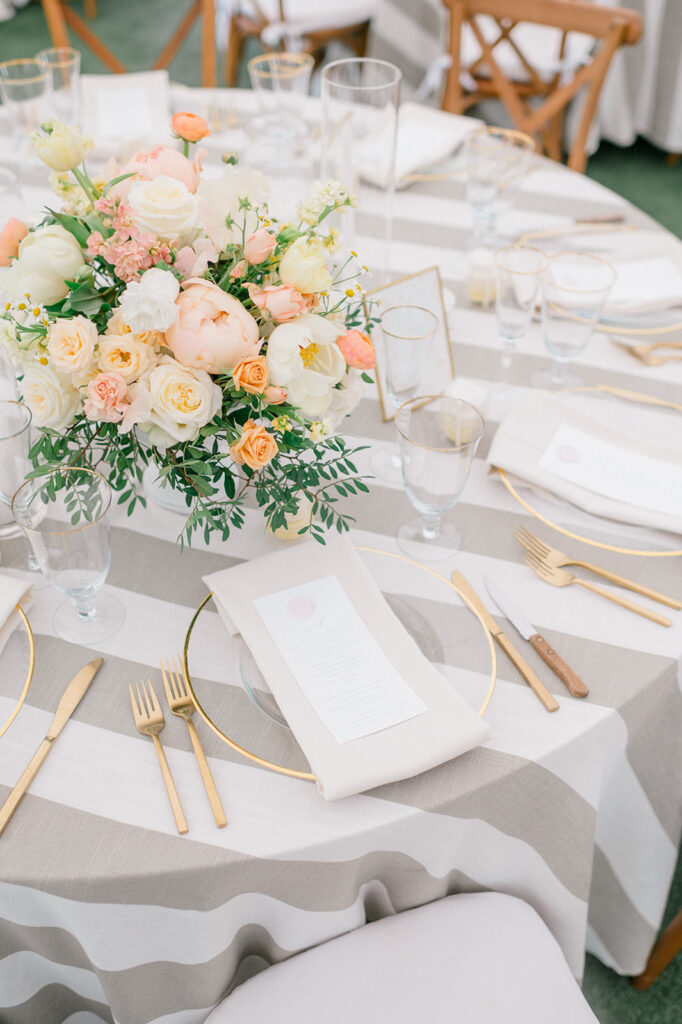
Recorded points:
(304, 358)
(182, 400)
(165, 207)
(71, 345)
(48, 257)
(125, 354)
(59, 145)
(52, 399)
(304, 266)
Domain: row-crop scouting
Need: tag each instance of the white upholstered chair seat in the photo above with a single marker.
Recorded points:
(305, 16)
(482, 958)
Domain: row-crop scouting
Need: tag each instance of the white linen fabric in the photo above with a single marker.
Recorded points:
(645, 286)
(525, 433)
(447, 729)
(13, 592)
(477, 958)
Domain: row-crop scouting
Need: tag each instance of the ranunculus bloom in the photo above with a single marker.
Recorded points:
(162, 160)
(357, 349)
(213, 331)
(304, 266)
(59, 145)
(251, 375)
(259, 245)
(48, 258)
(106, 398)
(189, 127)
(281, 301)
(255, 448)
(71, 345)
(13, 232)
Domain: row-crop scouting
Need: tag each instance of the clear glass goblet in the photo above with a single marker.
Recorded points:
(65, 515)
(63, 65)
(438, 438)
(25, 88)
(15, 464)
(575, 286)
(280, 82)
(518, 271)
(405, 336)
(496, 160)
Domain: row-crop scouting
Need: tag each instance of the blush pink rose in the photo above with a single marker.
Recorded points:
(357, 349)
(281, 301)
(259, 245)
(160, 160)
(106, 399)
(13, 232)
(213, 331)
(274, 395)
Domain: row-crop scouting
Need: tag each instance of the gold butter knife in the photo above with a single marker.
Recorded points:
(67, 705)
(536, 685)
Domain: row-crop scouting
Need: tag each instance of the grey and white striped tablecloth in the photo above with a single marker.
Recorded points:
(106, 914)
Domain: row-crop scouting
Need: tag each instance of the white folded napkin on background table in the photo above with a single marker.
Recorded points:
(13, 591)
(638, 431)
(446, 728)
(645, 286)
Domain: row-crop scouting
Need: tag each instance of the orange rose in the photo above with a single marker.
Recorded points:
(255, 447)
(189, 127)
(251, 374)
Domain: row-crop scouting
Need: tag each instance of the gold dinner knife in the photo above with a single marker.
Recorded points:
(67, 705)
(536, 685)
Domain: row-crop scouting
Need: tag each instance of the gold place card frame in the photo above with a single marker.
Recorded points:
(424, 288)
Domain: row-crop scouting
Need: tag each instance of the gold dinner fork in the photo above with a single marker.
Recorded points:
(149, 721)
(181, 703)
(563, 578)
(645, 352)
(555, 558)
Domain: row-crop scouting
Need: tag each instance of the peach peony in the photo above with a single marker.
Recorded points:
(357, 349)
(251, 374)
(162, 160)
(213, 331)
(106, 398)
(281, 302)
(13, 232)
(259, 245)
(190, 127)
(255, 448)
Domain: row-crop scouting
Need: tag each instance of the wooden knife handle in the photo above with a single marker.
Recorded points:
(28, 775)
(573, 683)
(536, 685)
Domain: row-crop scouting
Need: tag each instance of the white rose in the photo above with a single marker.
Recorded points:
(219, 198)
(125, 354)
(48, 257)
(166, 208)
(59, 145)
(303, 357)
(304, 266)
(50, 397)
(149, 304)
(182, 401)
(71, 345)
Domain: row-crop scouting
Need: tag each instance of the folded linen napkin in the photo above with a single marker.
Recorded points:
(619, 460)
(645, 286)
(441, 725)
(13, 591)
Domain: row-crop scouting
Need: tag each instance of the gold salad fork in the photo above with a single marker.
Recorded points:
(563, 578)
(553, 557)
(181, 703)
(149, 721)
(646, 352)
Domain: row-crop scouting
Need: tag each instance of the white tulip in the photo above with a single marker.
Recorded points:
(59, 145)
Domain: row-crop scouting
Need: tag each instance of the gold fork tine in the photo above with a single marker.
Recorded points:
(527, 538)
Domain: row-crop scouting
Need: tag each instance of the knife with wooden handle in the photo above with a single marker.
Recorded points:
(536, 685)
(67, 705)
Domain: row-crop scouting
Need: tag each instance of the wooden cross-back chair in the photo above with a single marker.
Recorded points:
(535, 102)
(59, 14)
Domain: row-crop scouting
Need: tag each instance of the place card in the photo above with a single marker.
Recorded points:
(345, 675)
(614, 472)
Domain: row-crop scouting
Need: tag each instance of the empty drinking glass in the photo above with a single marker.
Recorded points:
(438, 437)
(496, 161)
(63, 65)
(15, 444)
(518, 275)
(281, 82)
(65, 515)
(575, 286)
(25, 89)
(405, 336)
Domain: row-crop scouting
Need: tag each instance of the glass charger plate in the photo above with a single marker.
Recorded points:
(19, 650)
(573, 522)
(453, 637)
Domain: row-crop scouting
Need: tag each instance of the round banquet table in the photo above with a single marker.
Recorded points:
(107, 914)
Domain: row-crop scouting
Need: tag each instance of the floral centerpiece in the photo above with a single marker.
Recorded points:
(162, 317)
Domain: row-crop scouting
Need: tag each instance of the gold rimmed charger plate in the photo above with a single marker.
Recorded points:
(283, 769)
(29, 673)
(632, 396)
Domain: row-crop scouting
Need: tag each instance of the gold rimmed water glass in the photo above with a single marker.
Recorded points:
(63, 64)
(280, 82)
(518, 272)
(15, 464)
(25, 87)
(496, 160)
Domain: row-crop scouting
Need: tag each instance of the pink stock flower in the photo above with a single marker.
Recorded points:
(281, 301)
(213, 331)
(357, 349)
(13, 232)
(106, 398)
(259, 245)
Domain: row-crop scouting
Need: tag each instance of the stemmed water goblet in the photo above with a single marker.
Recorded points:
(496, 160)
(575, 286)
(518, 275)
(65, 515)
(438, 437)
(280, 82)
(63, 65)
(25, 88)
(405, 337)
